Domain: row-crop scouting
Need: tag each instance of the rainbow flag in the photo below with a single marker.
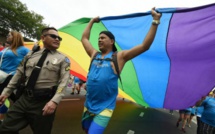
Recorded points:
(174, 73)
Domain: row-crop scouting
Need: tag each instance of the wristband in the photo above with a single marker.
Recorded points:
(156, 22)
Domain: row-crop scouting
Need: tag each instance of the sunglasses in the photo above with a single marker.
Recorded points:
(54, 36)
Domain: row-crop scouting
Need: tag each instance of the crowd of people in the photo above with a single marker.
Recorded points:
(39, 77)
(204, 110)
(76, 84)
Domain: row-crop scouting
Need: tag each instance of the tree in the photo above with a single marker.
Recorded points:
(15, 16)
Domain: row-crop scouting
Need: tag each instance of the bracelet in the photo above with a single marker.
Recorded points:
(156, 22)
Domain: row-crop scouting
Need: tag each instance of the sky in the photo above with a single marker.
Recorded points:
(58, 13)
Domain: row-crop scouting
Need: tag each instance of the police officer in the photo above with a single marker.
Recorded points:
(36, 106)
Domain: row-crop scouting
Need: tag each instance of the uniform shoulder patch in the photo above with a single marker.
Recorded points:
(67, 68)
(67, 60)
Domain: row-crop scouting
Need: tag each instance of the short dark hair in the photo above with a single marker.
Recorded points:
(111, 36)
(44, 30)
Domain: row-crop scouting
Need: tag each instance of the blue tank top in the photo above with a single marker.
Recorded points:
(199, 111)
(208, 115)
(11, 61)
(102, 86)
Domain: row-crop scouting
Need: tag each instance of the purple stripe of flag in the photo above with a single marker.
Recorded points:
(191, 49)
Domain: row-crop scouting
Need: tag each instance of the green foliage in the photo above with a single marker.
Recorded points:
(15, 16)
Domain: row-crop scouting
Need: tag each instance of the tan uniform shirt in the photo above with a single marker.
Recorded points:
(55, 71)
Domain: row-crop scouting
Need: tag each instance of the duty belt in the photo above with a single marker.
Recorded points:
(40, 93)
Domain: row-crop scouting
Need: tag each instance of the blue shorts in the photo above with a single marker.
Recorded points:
(184, 111)
(95, 123)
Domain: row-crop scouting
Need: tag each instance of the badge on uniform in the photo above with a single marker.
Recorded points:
(54, 60)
